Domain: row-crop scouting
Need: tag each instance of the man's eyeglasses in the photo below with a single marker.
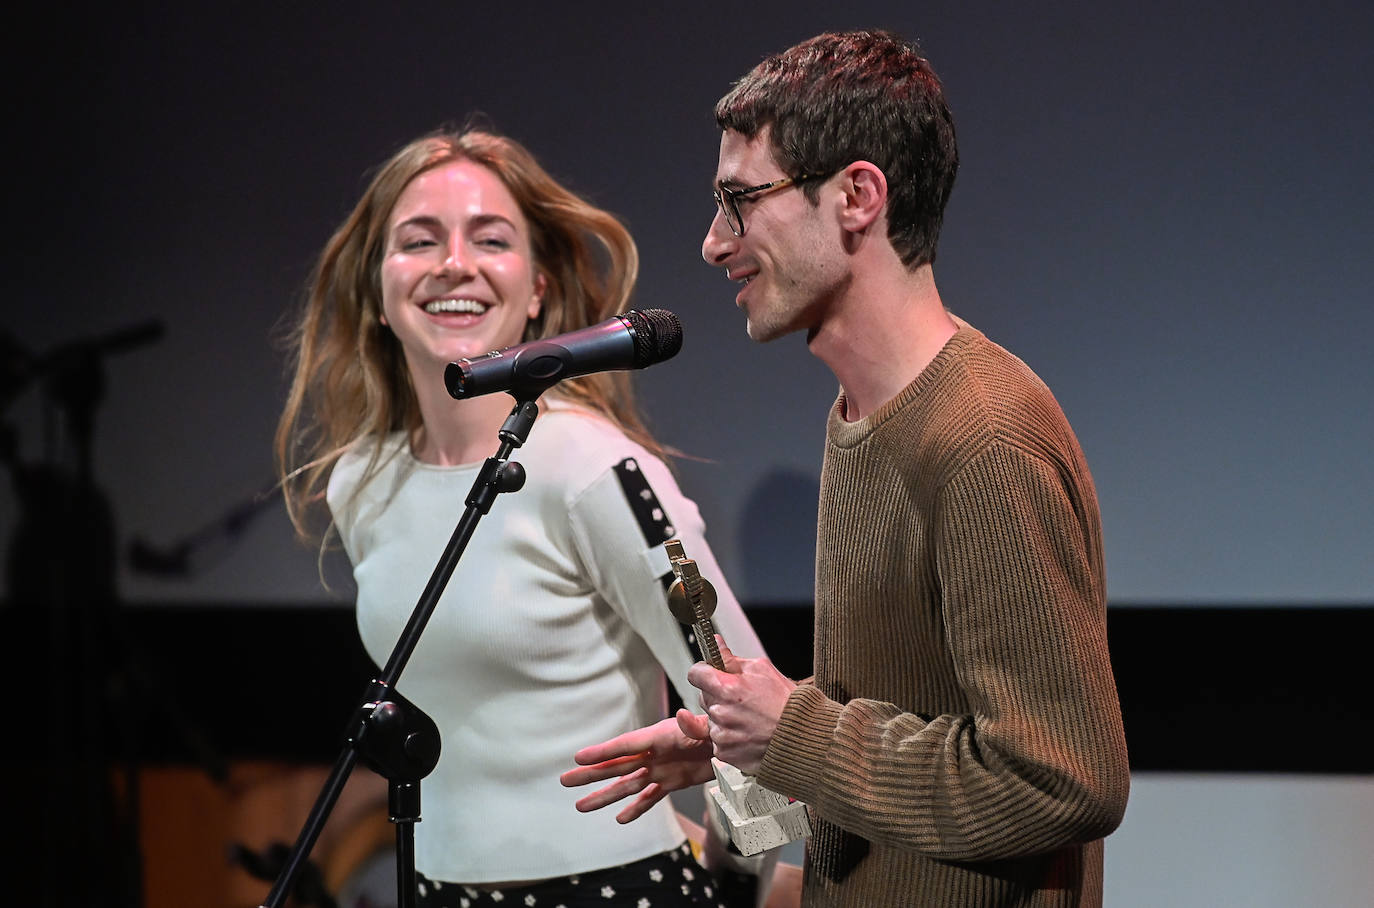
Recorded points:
(727, 200)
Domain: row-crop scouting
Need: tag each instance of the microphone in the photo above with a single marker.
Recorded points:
(630, 341)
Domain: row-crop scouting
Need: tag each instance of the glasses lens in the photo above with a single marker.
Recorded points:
(725, 199)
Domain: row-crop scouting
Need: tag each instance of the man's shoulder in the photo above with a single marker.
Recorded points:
(981, 396)
(997, 384)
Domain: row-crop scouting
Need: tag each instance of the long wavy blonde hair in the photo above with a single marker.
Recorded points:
(350, 378)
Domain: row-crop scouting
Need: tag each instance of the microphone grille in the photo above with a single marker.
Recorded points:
(658, 335)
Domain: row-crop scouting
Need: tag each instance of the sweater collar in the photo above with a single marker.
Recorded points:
(845, 434)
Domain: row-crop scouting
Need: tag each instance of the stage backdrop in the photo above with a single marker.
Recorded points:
(1164, 209)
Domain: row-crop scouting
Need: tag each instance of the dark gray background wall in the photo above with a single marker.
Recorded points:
(1164, 208)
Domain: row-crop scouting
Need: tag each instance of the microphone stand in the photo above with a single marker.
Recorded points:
(391, 735)
(85, 714)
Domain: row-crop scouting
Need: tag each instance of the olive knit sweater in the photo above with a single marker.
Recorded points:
(961, 741)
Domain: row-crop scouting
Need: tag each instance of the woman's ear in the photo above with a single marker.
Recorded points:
(541, 284)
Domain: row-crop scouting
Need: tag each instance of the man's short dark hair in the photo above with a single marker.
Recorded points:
(857, 96)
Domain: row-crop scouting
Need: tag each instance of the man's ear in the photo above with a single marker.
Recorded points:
(865, 195)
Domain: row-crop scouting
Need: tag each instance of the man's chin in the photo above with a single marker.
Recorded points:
(757, 333)
(760, 330)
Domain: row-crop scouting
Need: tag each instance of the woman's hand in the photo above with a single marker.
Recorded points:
(649, 762)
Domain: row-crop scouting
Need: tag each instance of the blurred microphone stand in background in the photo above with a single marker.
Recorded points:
(74, 739)
(205, 546)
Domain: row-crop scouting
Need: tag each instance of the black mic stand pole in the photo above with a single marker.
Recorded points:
(390, 734)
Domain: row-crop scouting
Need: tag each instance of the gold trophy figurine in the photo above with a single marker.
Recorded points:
(756, 818)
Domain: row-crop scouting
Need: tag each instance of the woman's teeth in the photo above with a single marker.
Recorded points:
(469, 306)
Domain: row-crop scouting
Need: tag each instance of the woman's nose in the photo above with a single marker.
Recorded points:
(457, 262)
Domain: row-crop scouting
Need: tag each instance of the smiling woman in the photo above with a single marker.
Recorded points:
(352, 379)
(458, 280)
(553, 632)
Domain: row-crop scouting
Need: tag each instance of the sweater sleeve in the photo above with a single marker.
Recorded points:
(629, 569)
(1038, 759)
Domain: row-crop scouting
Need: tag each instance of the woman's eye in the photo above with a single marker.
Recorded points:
(493, 242)
(416, 243)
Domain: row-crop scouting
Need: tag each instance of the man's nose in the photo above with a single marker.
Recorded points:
(719, 241)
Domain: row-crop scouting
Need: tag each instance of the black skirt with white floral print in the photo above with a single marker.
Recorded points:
(672, 879)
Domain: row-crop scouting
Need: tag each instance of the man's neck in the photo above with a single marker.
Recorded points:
(889, 326)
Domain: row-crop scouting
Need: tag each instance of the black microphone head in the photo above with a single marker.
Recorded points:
(657, 333)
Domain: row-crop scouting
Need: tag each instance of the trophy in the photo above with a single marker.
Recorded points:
(756, 818)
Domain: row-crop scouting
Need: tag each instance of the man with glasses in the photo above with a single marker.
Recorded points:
(961, 740)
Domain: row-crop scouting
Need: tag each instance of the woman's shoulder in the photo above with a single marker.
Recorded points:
(581, 445)
(363, 457)
(575, 431)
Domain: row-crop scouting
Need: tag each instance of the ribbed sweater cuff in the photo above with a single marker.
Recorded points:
(799, 753)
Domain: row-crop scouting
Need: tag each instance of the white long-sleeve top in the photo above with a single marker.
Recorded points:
(553, 633)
